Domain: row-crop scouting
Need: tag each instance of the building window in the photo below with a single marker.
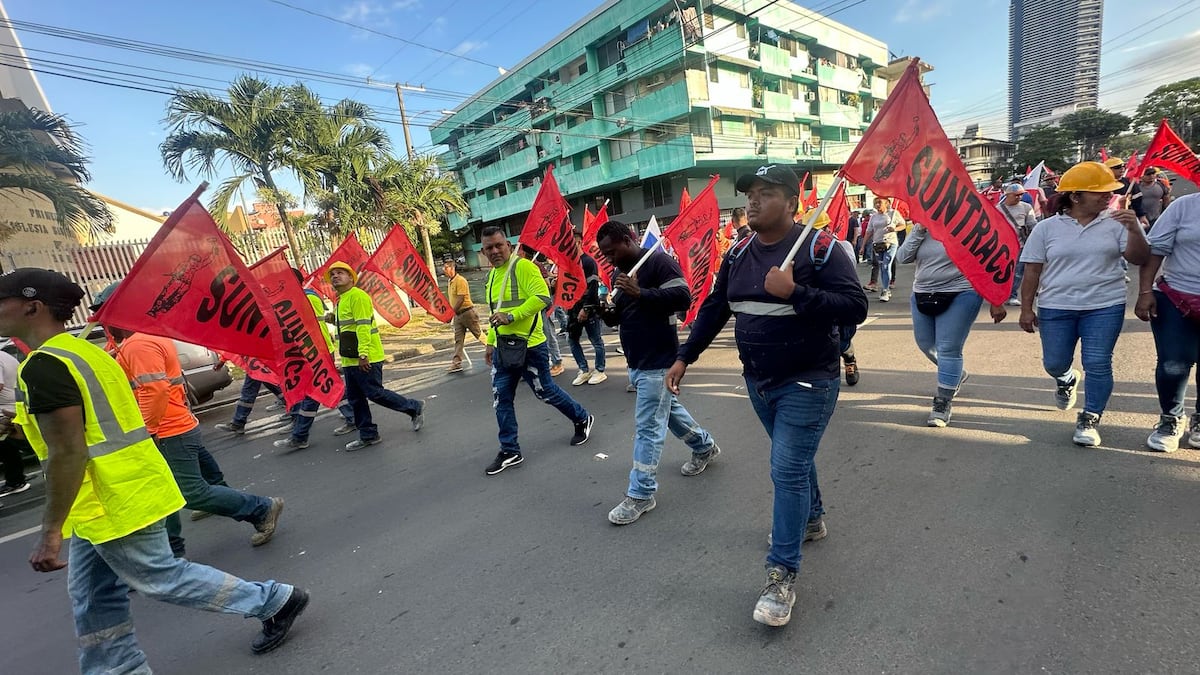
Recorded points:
(587, 159)
(657, 192)
(714, 73)
(708, 18)
(624, 146)
(741, 30)
(615, 102)
(828, 95)
(610, 52)
(744, 79)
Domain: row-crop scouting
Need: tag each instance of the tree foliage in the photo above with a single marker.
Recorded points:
(40, 153)
(1054, 145)
(1093, 129)
(1179, 103)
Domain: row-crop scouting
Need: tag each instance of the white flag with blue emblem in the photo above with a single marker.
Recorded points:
(652, 234)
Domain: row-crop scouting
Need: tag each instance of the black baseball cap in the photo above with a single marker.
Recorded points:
(774, 173)
(34, 283)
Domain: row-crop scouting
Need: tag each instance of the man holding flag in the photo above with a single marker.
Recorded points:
(787, 338)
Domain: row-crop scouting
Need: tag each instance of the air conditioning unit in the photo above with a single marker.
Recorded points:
(660, 78)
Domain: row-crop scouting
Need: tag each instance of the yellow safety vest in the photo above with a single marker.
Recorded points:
(127, 485)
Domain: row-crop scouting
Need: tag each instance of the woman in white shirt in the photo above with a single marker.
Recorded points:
(1073, 269)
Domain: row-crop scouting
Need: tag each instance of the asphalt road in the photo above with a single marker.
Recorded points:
(994, 545)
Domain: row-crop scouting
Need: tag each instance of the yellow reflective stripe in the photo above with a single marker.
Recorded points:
(115, 438)
(761, 308)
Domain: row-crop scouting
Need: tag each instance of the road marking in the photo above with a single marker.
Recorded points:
(23, 533)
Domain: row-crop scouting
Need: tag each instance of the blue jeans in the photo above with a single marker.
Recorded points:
(537, 375)
(575, 331)
(551, 338)
(362, 387)
(100, 577)
(250, 389)
(795, 416)
(1177, 341)
(885, 267)
(655, 411)
(305, 412)
(560, 315)
(1098, 330)
(1017, 277)
(941, 338)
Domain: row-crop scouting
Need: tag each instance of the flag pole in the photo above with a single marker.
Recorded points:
(612, 297)
(812, 219)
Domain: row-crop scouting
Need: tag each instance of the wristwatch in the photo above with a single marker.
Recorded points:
(510, 317)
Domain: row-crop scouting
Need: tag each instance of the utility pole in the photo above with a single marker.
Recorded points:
(408, 146)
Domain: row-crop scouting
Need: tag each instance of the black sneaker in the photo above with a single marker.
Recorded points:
(276, 628)
(1064, 394)
(14, 489)
(583, 431)
(504, 459)
(851, 373)
(939, 416)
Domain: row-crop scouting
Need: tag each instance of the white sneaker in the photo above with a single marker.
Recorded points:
(1014, 302)
(581, 378)
(1086, 433)
(885, 296)
(597, 377)
(1166, 435)
(1193, 438)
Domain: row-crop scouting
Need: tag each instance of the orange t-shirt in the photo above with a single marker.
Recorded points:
(151, 363)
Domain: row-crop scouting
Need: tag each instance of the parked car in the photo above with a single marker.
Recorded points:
(204, 373)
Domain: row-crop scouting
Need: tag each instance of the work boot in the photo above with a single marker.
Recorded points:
(276, 628)
(699, 462)
(231, 428)
(774, 607)
(418, 418)
(630, 509)
(265, 529)
(291, 444)
(346, 428)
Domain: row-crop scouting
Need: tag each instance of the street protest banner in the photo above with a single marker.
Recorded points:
(387, 302)
(548, 232)
(191, 285)
(591, 226)
(253, 367)
(693, 236)
(1169, 151)
(400, 262)
(905, 153)
(839, 213)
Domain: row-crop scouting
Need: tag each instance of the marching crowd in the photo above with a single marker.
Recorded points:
(127, 452)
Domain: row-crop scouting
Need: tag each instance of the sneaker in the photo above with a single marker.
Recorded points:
(274, 407)
(885, 296)
(1193, 438)
(266, 529)
(556, 370)
(1065, 397)
(871, 287)
(1013, 302)
(940, 415)
(630, 509)
(774, 607)
(581, 378)
(699, 462)
(344, 429)
(455, 368)
(231, 428)
(620, 350)
(597, 377)
(286, 417)
(631, 388)
(814, 531)
(851, 373)
(1164, 439)
(1086, 433)
(583, 431)
(360, 444)
(8, 490)
(199, 515)
(418, 419)
(504, 459)
(275, 629)
(290, 444)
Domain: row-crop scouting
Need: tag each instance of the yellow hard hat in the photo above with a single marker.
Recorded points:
(1114, 162)
(339, 265)
(822, 220)
(1088, 177)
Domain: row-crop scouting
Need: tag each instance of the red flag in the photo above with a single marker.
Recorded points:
(548, 231)
(813, 200)
(1134, 166)
(405, 267)
(729, 229)
(684, 200)
(906, 153)
(1103, 154)
(839, 213)
(693, 235)
(387, 302)
(254, 367)
(1169, 151)
(590, 228)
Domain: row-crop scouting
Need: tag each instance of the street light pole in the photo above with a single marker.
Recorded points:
(408, 146)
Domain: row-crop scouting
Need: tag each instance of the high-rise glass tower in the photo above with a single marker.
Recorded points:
(1053, 59)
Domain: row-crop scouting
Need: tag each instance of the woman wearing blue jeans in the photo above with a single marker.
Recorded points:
(944, 305)
(1171, 303)
(1073, 270)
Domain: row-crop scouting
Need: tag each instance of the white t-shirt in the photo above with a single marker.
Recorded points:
(1176, 237)
(1081, 265)
(8, 377)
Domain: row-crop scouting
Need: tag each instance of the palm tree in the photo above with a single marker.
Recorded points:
(425, 196)
(253, 131)
(40, 153)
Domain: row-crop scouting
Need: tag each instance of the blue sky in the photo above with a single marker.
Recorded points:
(965, 41)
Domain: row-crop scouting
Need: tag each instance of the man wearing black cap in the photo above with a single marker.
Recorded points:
(109, 488)
(787, 338)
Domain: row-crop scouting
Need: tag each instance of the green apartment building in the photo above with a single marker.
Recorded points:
(642, 98)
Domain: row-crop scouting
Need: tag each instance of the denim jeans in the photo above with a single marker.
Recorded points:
(1177, 341)
(537, 374)
(362, 387)
(1098, 330)
(250, 389)
(941, 338)
(100, 577)
(1017, 277)
(305, 413)
(886, 270)
(795, 416)
(655, 411)
(593, 328)
(551, 338)
(560, 315)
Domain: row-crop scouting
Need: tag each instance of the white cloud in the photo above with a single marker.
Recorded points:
(920, 11)
(371, 11)
(466, 47)
(359, 69)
